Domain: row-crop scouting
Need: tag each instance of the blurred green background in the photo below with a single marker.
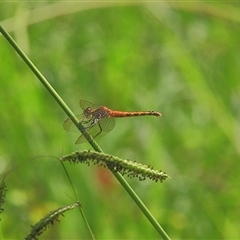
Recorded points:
(182, 59)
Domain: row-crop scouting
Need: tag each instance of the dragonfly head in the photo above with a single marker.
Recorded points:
(87, 112)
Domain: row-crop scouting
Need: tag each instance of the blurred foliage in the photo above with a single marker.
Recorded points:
(181, 59)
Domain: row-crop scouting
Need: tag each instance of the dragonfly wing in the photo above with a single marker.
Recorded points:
(69, 126)
(81, 139)
(104, 126)
(107, 124)
(94, 132)
(85, 104)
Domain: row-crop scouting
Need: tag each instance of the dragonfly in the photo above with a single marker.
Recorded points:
(99, 120)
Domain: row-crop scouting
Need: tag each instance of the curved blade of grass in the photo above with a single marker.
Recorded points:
(79, 207)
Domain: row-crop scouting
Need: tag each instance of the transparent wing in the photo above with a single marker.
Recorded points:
(104, 126)
(85, 104)
(95, 131)
(69, 126)
(107, 124)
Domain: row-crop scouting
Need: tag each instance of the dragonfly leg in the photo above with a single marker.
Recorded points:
(93, 121)
(100, 130)
(89, 120)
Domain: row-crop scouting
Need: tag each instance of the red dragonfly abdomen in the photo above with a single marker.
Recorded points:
(134, 114)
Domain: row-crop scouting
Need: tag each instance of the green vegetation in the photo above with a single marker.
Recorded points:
(179, 59)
